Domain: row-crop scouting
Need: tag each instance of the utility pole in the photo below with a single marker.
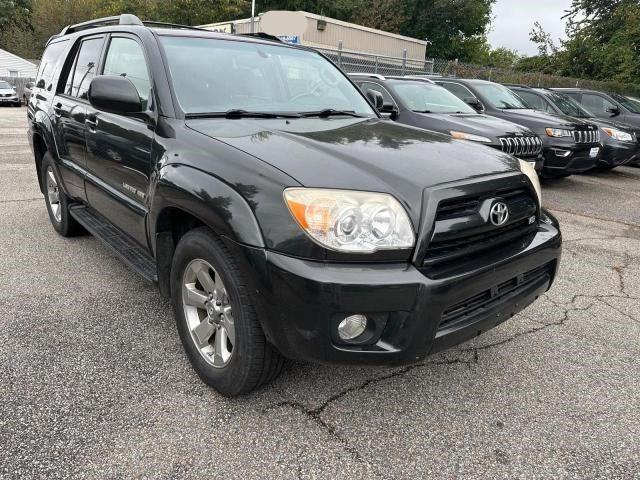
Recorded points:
(253, 14)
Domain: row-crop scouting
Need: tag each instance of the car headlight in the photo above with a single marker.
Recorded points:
(558, 132)
(530, 171)
(351, 221)
(618, 134)
(469, 136)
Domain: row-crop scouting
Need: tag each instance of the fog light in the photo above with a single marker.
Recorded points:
(352, 327)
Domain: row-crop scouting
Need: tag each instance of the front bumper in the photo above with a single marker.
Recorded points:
(619, 153)
(566, 159)
(10, 101)
(300, 302)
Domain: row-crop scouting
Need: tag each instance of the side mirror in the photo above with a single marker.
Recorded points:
(375, 98)
(613, 110)
(40, 83)
(391, 109)
(475, 104)
(114, 94)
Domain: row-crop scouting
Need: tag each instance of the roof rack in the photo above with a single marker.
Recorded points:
(124, 19)
(264, 36)
(368, 75)
(421, 78)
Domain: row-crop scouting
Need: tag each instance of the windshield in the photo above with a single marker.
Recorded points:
(627, 103)
(499, 96)
(568, 106)
(425, 97)
(4, 85)
(212, 76)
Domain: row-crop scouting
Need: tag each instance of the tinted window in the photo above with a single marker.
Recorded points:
(211, 75)
(364, 86)
(125, 58)
(48, 68)
(458, 90)
(534, 100)
(568, 106)
(629, 104)
(84, 68)
(499, 96)
(425, 97)
(596, 104)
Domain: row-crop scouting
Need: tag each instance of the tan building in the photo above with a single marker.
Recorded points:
(318, 31)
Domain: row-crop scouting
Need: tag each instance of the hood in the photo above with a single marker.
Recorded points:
(474, 123)
(360, 154)
(538, 121)
(611, 124)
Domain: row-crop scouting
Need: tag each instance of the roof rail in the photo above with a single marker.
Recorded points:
(124, 19)
(520, 85)
(264, 36)
(421, 78)
(172, 25)
(368, 75)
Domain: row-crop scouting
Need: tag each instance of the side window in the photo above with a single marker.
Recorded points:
(364, 86)
(458, 90)
(49, 65)
(533, 100)
(84, 68)
(596, 104)
(126, 59)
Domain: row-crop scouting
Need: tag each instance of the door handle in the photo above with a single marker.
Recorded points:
(57, 110)
(91, 124)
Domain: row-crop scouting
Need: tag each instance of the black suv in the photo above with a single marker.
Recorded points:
(570, 145)
(608, 106)
(421, 103)
(263, 193)
(620, 142)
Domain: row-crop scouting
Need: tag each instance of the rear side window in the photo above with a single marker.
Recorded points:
(49, 68)
(84, 68)
(126, 59)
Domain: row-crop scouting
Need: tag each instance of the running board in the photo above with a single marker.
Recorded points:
(121, 244)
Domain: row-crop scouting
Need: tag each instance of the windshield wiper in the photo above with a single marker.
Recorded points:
(239, 113)
(330, 112)
(423, 111)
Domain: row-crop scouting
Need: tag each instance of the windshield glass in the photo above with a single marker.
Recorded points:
(425, 97)
(627, 103)
(212, 75)
(568, 106)
(4, 85)
(499, 96)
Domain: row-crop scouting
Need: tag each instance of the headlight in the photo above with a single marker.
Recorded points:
(351, 221)
(618, 134)
(469, 136)
(558, 132)
(530, 171)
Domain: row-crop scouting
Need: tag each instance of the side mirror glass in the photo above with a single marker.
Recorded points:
(375, 98)
(114, 94)
(391, 109)
(474, 103)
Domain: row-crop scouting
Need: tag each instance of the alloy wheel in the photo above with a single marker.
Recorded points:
(53, 195)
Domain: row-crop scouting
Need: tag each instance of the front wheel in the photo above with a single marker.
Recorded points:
(57, 201)
(216, 319)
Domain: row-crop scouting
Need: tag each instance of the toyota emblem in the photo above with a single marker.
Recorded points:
(499, 213)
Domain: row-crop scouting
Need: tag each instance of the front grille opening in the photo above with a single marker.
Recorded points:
(463, 206)
(466, 310)
(527, 146)
(586, 136)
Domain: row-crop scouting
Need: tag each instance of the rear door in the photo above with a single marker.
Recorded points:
(119, 146)
(70, 110)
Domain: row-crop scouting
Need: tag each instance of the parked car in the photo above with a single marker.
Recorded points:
(570, 145)
(264, 194)
(26, 92)
(8, 94)
(608, 106)
(421, 103)
(620, 141)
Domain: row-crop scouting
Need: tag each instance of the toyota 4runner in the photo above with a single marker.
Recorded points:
(262, 192)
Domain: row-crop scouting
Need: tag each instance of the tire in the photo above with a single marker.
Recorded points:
(231, 368)
(57, 201)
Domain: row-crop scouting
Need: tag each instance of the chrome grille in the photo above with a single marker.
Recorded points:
(586, 136)
(521, 146)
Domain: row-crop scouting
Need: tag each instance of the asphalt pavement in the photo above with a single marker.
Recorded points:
(94, 382)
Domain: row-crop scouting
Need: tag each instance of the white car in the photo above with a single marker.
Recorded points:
(8, 95)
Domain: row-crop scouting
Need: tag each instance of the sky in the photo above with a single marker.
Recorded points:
(514, 19)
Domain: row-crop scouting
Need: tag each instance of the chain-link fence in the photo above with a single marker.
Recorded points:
(358, 62)
(18, 82)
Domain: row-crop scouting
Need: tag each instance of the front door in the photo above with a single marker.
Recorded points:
(119, 146)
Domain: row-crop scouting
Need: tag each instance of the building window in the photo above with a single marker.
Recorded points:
(14, 73)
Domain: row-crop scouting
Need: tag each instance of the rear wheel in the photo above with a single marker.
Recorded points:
(57, 201)
(216, 319)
